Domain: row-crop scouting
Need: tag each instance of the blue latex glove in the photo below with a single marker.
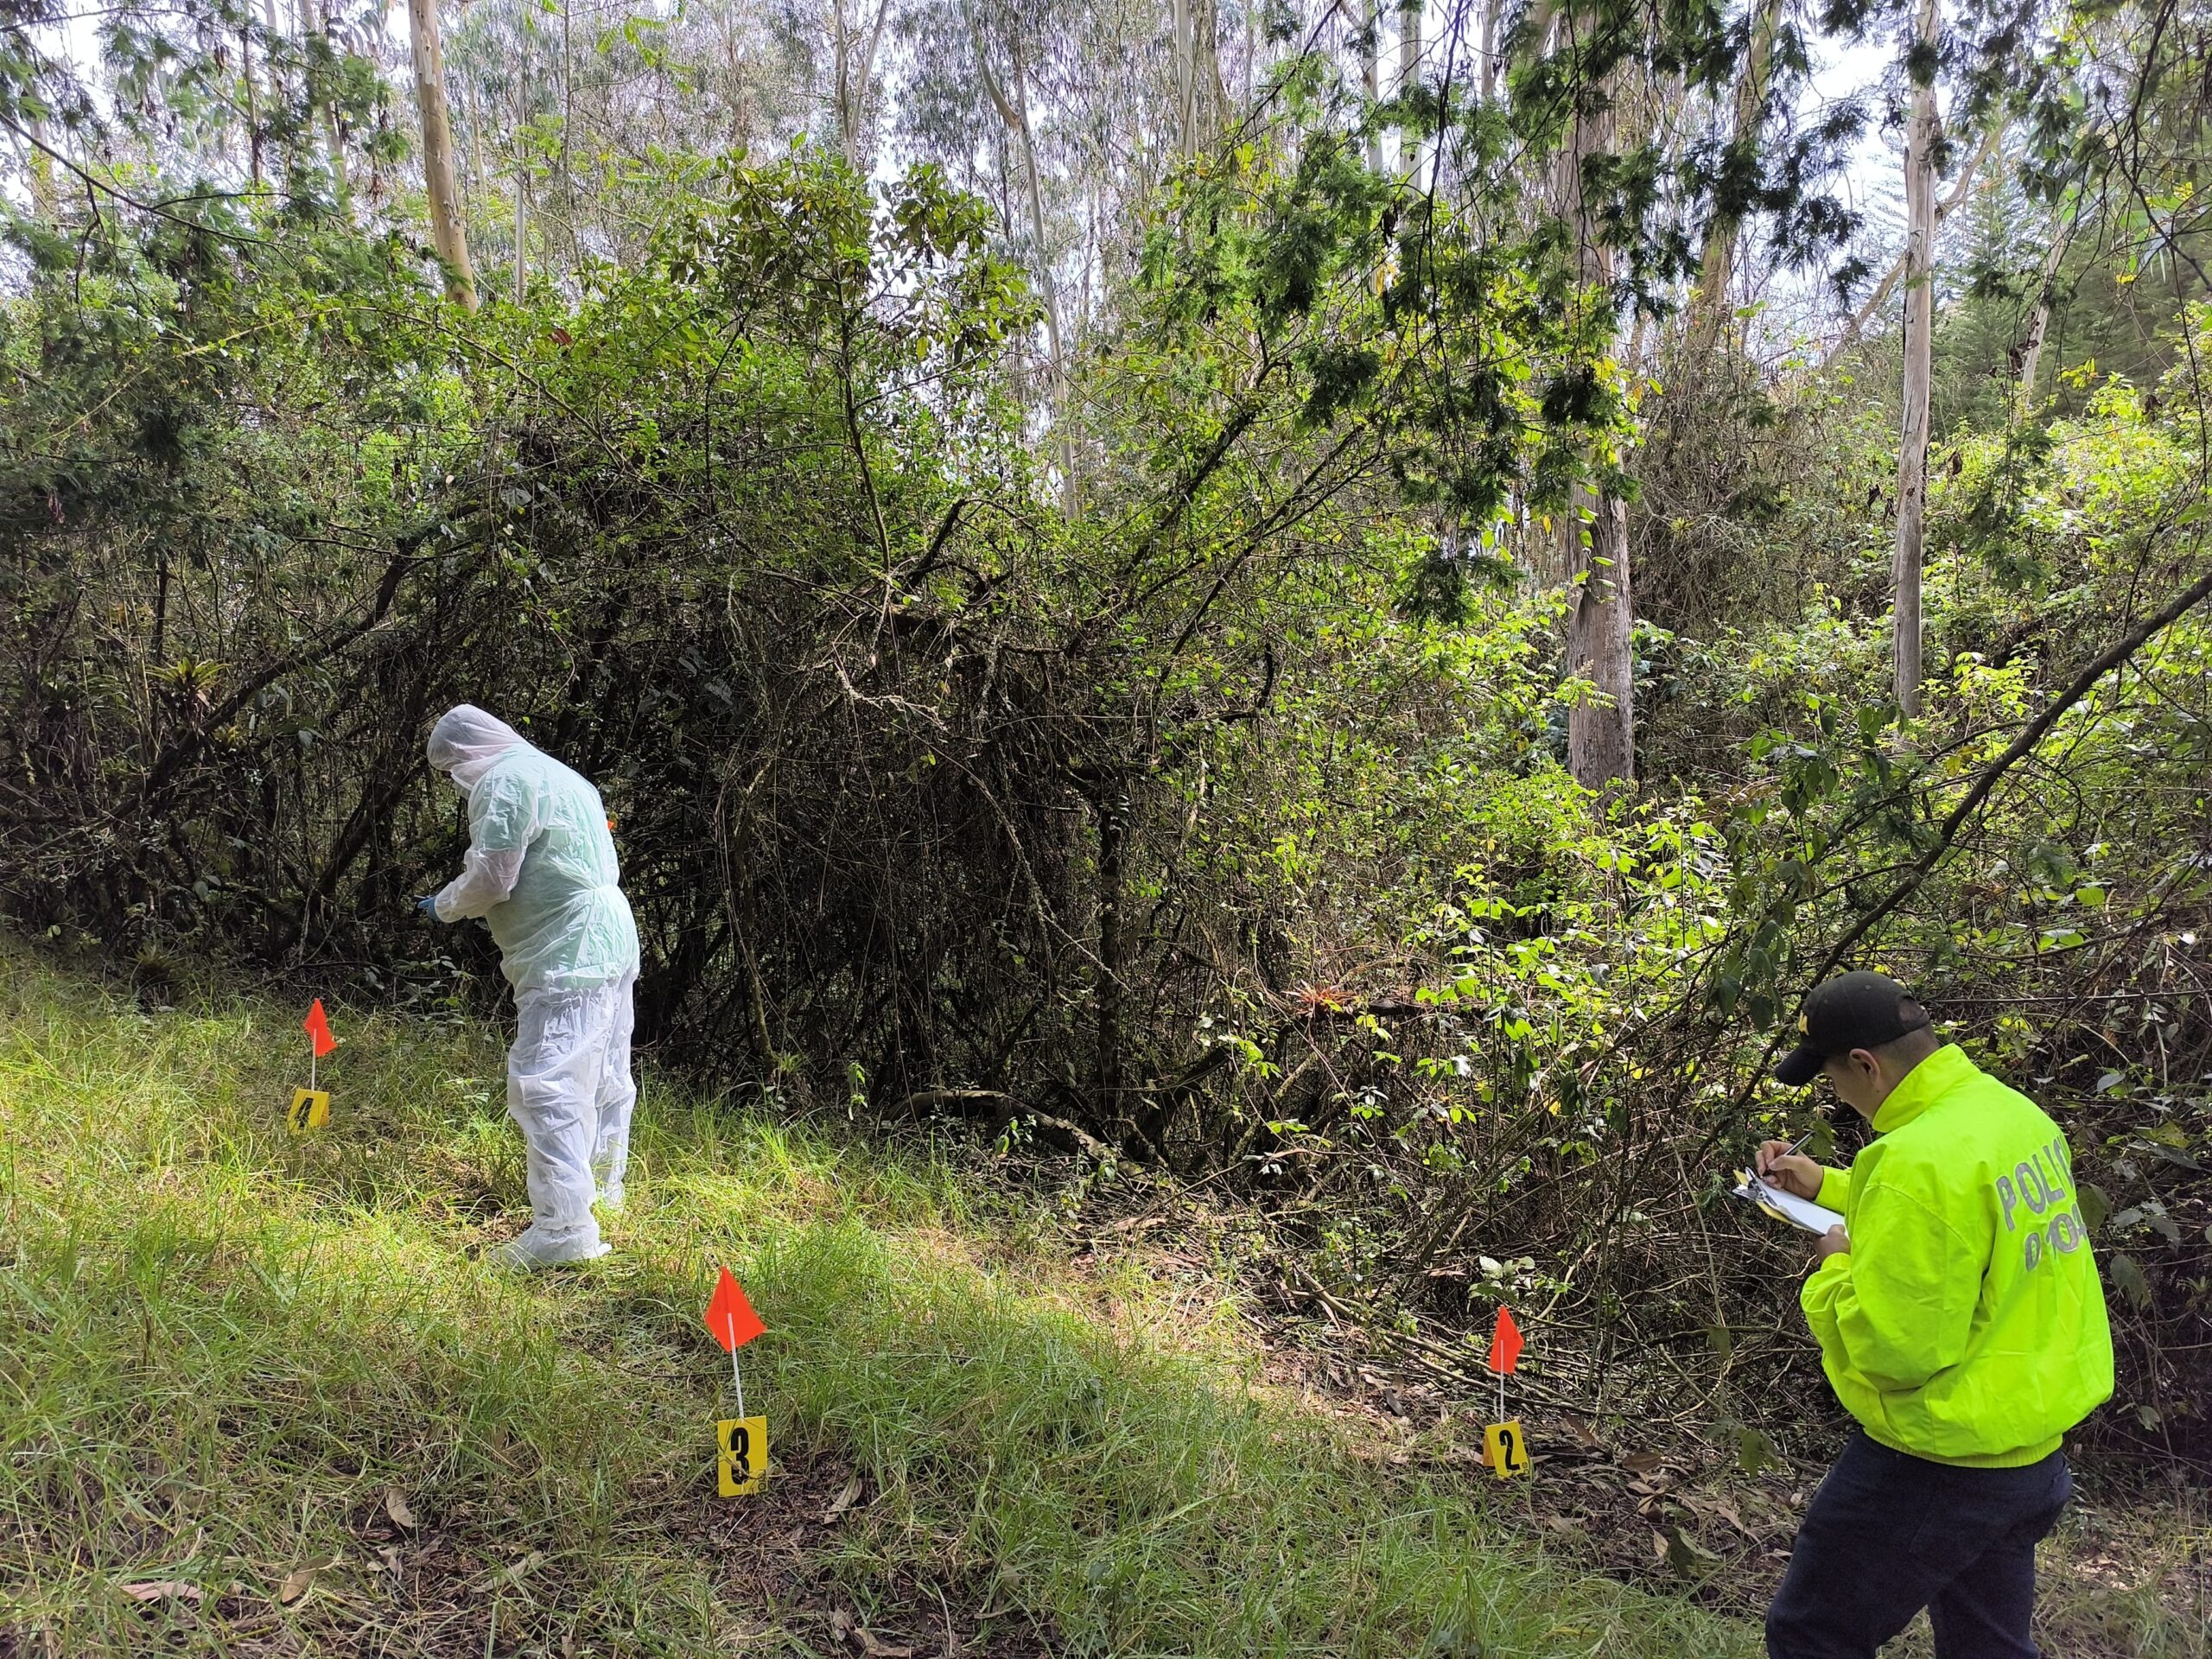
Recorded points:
(428, 905)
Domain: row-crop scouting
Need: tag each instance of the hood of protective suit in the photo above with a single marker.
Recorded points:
(466, 741)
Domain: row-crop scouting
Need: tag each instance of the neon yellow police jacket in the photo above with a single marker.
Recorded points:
(1965, 1323)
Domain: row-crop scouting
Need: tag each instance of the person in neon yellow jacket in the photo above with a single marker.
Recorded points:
(1960, 1322)
(541, 872)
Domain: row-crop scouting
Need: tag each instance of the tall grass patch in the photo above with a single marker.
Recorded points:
(224, 1346)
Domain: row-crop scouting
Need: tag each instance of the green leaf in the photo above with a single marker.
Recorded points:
(2127, 1278)
(2095, 1206)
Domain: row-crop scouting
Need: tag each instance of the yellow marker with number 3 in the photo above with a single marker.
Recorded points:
(310, 1109)
(1505, 1449)
(740, 1455)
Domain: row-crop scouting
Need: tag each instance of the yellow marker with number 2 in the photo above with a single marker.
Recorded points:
(310, 1109)
(1505, 1449)
(740, 1455)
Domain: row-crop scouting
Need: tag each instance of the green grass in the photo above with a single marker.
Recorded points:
(221, 1346)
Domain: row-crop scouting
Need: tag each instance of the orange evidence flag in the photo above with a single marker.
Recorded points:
(1505, 1343)
(317, 1028)
(730, 1318)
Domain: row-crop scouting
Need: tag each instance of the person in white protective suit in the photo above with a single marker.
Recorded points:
(541, 872)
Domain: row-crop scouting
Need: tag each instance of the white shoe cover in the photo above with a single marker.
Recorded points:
(531, 1250)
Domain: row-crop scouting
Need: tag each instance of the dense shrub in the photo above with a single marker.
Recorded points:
(1189, 786)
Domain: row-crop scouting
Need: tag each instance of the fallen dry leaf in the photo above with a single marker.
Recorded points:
(300, 1579)
(396, 1506)
(876, 1648)
(844, 1499)
(529, 1564)
(162, 1590)
(1643, 1463)
(1658, 1545)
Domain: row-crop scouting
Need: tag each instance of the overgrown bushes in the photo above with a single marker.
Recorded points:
(1184, 792)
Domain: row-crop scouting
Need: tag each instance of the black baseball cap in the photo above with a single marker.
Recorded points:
(1850, 1011)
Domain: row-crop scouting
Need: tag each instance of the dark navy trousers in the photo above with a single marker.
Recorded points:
(1887, 1535)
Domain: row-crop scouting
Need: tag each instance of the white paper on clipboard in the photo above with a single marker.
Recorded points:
(1784, 1206)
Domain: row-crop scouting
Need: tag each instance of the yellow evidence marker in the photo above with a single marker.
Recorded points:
(1505, 1449)
(740, 1455)
(310, 1109)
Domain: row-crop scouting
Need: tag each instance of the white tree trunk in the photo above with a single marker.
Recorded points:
(855, 71)
(46, 198)
(1921, 137)
(1371, 54)
(317, 24)
(1013, 113)
(1887, 286)
(522, 181)
(448, 234)
(252, 106)
(2061, 236)
(1710, 308)
(1185, 25)
(1409, 20)
(1601, 731)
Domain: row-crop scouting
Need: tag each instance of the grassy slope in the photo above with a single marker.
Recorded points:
(221, 1346)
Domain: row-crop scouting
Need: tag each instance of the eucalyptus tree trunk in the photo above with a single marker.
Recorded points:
(856, 74)
(1212, 106)
(1710, 308)
(522, 183)
(1409, 19)
(46, 197)
(1923, 134)
(1013, 113)
(2031, 353)
(316, 23)
(1183, 15)
(1880, 296)
(252, 105)
(1600, 731)
(1370, 63)
(447, 234)
(1199, 95)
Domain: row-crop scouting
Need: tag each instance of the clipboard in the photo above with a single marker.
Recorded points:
(1802, 1213)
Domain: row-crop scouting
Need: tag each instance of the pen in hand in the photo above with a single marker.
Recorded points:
(1765, 1165)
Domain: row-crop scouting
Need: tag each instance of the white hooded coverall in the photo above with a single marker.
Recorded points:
(541, 871)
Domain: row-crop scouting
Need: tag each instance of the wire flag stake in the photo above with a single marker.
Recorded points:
(741, 1442)
(310, 1107)
(1505, 1446)
(730, 1322)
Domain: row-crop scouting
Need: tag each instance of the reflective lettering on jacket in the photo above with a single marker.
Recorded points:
(1965, 1323)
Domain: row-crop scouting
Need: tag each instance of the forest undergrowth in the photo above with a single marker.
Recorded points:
(261, 1398)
